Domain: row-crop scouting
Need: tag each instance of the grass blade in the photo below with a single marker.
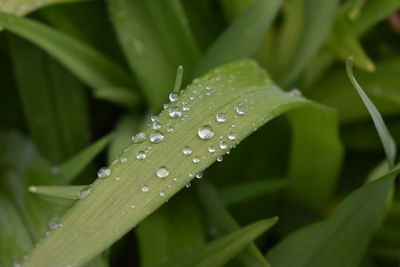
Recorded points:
(220, 251)
(387, 140)
(332, 242)
(224, 223)
(154, 33)
(67, 192)
(23, 7)
(249, 101)
(243, 36)
(87, 64)
(306, 27)
(71, 168)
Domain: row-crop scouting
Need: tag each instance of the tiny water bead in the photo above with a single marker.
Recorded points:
(232, 136)
(104, 173)
(188, 185)
(211, 149)
(123, 159)
(132, 206)
(196, 159)
(220, 117)
(241, 109)
(170, 130)
(187, 150)
(295, 92)
(156, 137)
(162, 194)
(144, 188)
(154, 118)
(141, 155)
(162, 172)
(223, 145)
(220, 158)
(83, 193)
(156, 126)
(199, 175)
(138, 138)
(173, 97)
(53, 225)
(174, 112)
(206, 132)
(185, 108)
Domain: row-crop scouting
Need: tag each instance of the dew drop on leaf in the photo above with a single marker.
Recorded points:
(232, 136)
(156, 137)
(223, 145)
(211, 149)
(241, 109)
(220, 158)
(199, 175)
(174, 112)
(123, 159)
(206, 132)
(187, 150)
(144, 188)
(173, 97)
(220, 117)
(138, 138)
(83, 193)
(196, 159)
(162, 172)
(141, 155)
(188, 185)
(162, 194)
(103, 173)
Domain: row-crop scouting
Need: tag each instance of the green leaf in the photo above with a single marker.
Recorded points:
(387, 140)
(243, 36)
(178, 227)
(23, 7)
(240, 90)
(154, 34)
(67, 192)
(47, 91)
(105, 77)
(307, 24)
(223, 223)
(333, 242)
(241, 192)
(220, 251)
(71, 168)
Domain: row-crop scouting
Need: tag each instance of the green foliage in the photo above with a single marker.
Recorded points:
(260, 85)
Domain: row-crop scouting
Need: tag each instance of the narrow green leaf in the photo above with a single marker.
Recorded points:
(307, 24)
(220, 251)
(387, 140)
(243, 36)
(154, 34)
(90, 66)
(333, 242)
(178, 227)
(71, 168)
(241, 192)
(67, 192)
(224, 223)
(23, 7)
(353, 8)
(240, 90)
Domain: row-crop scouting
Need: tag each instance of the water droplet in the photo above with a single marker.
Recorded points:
(156, 126)
(144, 188)
(156, 137)
(196, 159)
(138, 138)
(173, 97)
(83, 193)
(132, 206)
(188, 185)
(295, 92)
(220, 158)
(117, 178)
(187, 150)
(206, 132)
(162, 194)
(223, 145)
(165, 106)
(241, 109)
(16, 264)
(220, 117)
(141, 155)
(174, 112)
(232, 136)
(154, 118)
(199, 175)
(104, 173)
(170, 130)
(185, 108)
(53, 225)
(162, 172)
(123, 160)
(211, 149)
(175, 179)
